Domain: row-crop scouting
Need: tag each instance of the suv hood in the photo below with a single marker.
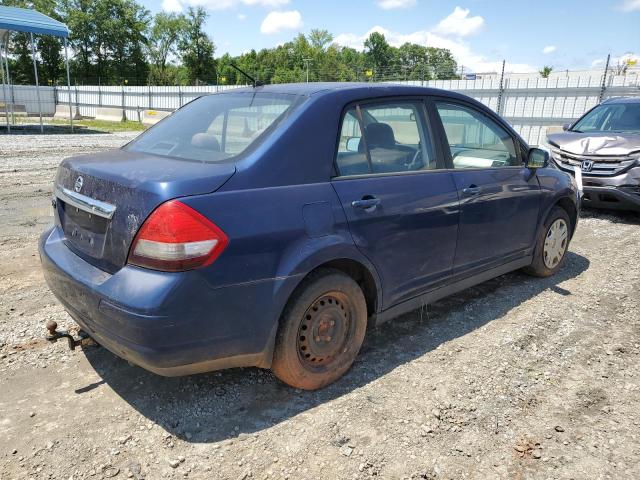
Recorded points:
(600, 143)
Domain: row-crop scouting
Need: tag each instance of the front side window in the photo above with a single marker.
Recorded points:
(384, 138)
(215, 128)
(475, 140)
(616, 117)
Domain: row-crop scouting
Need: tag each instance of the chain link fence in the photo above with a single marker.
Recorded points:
(529, 102)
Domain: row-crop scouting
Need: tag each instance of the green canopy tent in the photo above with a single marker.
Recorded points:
(14, 19)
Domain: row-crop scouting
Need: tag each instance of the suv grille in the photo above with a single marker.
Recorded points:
(596, 165)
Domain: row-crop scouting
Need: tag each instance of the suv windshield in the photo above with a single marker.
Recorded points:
(615, 117)
(215, 128)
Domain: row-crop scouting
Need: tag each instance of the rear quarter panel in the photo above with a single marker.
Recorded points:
(278, 232)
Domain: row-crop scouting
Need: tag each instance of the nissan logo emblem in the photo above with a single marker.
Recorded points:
(78, 185)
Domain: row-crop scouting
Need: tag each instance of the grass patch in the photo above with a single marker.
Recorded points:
(103, 126)
(88, 123)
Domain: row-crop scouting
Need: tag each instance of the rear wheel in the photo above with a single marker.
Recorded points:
(321, 331)
(552, 244)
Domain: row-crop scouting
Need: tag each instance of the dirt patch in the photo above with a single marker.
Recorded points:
(516, 378)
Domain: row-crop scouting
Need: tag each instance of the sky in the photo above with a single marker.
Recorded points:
(564, 34)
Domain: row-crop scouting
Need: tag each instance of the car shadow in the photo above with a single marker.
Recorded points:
(223, 405)
(614, 216)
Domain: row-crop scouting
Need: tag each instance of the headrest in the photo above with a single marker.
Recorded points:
(379, 135)
(205, 141)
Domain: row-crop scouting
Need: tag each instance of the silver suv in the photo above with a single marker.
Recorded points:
(605, 144)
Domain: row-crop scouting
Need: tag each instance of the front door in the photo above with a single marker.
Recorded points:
(499, 196)
(401, 205)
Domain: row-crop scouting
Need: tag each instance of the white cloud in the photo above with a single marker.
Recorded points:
(242, 16)
(630, 5)
(171, 6)
(276, 22)
(629, 57)
(266, 3)
(459, 23)
(393, 4)
(179, 5)
(448, 33)
(549, 49)
(460, 50)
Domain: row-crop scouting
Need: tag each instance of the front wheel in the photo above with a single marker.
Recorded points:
(552, 244)
(321, 330)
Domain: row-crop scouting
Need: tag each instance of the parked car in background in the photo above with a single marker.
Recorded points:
(269, 226)
(605, 145)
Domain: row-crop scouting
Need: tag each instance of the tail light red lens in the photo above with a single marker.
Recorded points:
(176, 237)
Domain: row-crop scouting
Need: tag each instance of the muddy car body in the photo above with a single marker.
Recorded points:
(605, 144)
(268, 226)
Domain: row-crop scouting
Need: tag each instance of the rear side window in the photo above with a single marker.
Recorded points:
(384, 138)
(475, 140)
(215, 128)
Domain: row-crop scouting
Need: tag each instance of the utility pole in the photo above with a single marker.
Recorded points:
(501, 90)
(307, 61)
(604, 79)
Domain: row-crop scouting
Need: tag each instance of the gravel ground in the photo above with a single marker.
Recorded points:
(517, 378)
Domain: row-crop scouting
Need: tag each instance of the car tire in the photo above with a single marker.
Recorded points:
(552, 244)
(321, 330)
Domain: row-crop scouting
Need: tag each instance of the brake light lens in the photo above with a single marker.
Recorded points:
(175, 238)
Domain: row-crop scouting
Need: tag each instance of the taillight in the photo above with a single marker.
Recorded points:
(175, 237)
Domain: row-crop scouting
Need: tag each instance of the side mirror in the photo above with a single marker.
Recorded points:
(566, 126)
(352, 144)
(537, 158)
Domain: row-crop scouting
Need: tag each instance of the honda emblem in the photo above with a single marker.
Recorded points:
(587, 165)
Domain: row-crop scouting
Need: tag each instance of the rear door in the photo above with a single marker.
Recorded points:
(499, 196)
(401, 204)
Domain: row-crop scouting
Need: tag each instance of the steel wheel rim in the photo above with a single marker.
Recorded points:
(555, 243)
(326, 330)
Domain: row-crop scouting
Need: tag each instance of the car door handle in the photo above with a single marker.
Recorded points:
(472, 190)
(367, 203)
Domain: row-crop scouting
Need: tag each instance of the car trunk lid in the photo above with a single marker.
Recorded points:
(103, 199)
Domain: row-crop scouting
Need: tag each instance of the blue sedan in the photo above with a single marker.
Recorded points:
(269, 226)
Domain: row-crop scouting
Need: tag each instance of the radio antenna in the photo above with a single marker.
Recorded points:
(253, 81)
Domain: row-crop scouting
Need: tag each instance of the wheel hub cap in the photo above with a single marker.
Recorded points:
(555, 243)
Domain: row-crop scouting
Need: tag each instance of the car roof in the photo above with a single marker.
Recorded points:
(372, 89)
(622, 100)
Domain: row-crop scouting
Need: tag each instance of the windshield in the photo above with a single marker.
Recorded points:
(616, 117)
(215, 128)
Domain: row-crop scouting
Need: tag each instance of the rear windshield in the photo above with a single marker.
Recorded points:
(215, 128)
(615, 117)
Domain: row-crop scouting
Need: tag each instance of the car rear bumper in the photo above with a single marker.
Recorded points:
(168, 323)
(618, 198)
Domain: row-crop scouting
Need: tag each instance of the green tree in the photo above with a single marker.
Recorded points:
(546, 71)
(320, 39)
(164, 37)
(378, 52)
(441, 64)
(197, 49)
(108, 38)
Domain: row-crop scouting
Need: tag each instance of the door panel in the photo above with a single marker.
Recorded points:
(408, 228)
(498, 216)
(499, 197)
